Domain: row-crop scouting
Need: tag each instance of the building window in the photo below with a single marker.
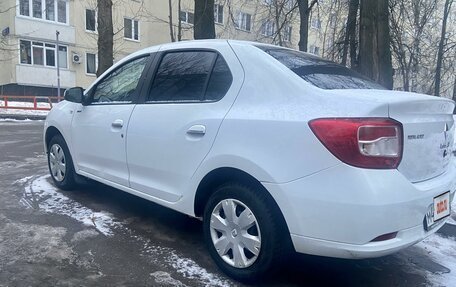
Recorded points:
(315, 23)
(244, 21)
(186, 17)
(62, 11)
(50, 10)
(24, 7)
(42, 54)
(91, 64)
(268, 28)
(91, 20)
(333, 21)
(314, 50)
(218, 13)
(287, 33)
(131, 29)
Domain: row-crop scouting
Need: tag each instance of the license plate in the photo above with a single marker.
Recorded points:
(440, 208)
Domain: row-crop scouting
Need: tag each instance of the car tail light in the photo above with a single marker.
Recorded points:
(361, 142)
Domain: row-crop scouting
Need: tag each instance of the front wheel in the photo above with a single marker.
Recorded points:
(242, 232)
(60, 163)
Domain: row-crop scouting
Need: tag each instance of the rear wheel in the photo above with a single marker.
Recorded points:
(60, 163)
(242, 233)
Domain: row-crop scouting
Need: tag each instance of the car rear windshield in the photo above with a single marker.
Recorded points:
(319, 72)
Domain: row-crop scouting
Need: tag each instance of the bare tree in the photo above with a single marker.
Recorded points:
(438, 69)
(350, 34)
(171, 30)
(304, 12)
(374, 37)
(204, 27)
(105, 36)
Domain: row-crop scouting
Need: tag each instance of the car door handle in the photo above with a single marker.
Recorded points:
(117, 124)
(197, 130)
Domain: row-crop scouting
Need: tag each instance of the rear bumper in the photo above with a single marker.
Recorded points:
(404, 238)
(337, 212)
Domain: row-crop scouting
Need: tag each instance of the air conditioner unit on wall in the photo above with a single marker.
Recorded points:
(76, 58)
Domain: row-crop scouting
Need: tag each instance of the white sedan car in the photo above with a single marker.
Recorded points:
(276, 150)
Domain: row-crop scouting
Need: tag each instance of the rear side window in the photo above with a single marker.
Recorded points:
(220, 81)
(319, 72)
(190, 76)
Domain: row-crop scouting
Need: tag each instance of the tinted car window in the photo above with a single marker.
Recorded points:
(120, 85)
(319, 72)
(219, 82)
(182, 76)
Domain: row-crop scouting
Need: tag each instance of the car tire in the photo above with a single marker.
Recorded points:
(272, 248)
(60, 164)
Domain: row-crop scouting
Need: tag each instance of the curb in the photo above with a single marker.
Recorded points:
(19, 117)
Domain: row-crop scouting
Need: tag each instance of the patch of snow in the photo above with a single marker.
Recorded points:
(15, 120)
(442, 250)
(40, 193)
(165, 278)
(23, 180)
(22, 111)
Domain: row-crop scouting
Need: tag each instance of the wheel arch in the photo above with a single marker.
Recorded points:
(222, 175)
(51, 131)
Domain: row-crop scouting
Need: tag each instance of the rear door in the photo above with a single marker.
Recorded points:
(173, 130)
(99, 128)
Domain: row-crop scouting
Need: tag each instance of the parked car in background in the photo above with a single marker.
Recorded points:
(276, 150)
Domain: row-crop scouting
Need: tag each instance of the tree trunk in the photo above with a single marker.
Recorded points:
(350, 34)
(105, 36)
(374, 42)
(204, 27)
(171, 32)
(304, 12)
(179, 25)
(454, 89)
(438, 68)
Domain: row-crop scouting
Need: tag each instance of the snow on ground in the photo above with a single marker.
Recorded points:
(443, 251)
(21, 111)
(41, 194)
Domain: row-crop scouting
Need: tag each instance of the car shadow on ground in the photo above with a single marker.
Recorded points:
(168, 228)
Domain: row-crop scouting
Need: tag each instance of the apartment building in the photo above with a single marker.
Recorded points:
(29, 53)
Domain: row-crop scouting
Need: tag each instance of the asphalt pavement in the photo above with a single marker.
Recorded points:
(100, 236)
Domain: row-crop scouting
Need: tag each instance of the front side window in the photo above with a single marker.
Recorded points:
(90, 16)
(120, 85)
(319, 72)
(131, 29)
(49, 10)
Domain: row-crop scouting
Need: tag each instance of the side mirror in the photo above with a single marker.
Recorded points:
(74, 95)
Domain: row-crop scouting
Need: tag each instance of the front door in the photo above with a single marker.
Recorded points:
(99, 127)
